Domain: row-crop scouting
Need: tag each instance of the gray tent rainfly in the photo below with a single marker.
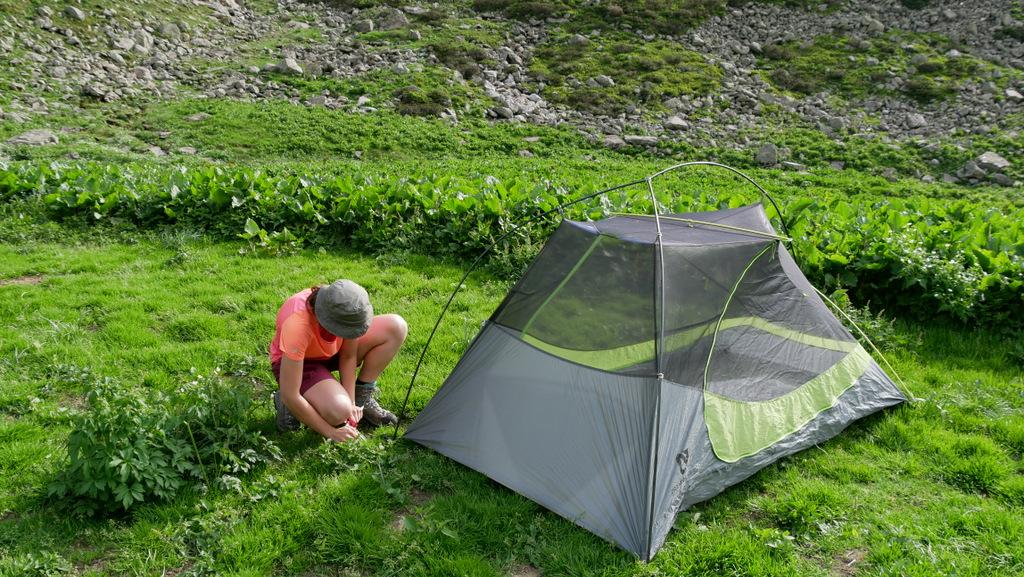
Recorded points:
(645, 363)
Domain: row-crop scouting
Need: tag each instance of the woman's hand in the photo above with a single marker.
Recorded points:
(342, 434)
(357, 413)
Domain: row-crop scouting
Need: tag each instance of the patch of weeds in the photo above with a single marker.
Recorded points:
(975, 464)
(856, 68)
(42, 564)
(415, 101)
(130, 448)
(660, 16)
(1011, 491)
(643, 73)
(524, 9)
(196, 327)
(880, 329)
(807, 509)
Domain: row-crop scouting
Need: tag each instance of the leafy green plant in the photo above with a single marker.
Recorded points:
(42, 564)
(130, 448)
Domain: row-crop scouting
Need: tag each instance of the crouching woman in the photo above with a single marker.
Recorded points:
(326, 329)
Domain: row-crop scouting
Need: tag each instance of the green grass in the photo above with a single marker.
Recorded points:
(645, 73)
(929, 488)
(857, 68)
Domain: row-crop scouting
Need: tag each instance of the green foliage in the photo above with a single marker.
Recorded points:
(855, 68)
(644, 73)
(130, 448)
(42, 564)
(919, 256)
(882, 331)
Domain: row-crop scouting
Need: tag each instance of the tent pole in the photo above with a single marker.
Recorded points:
(659, 343)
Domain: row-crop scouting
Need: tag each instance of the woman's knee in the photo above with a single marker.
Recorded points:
(395, 327)
(337, 410)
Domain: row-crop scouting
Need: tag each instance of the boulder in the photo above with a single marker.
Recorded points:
(767, 155)
(605, 81)
(74, 13)
(991, 162)
(363, 26)
(288, 66)
(916, 120)
(393, 19)
(970, 170)
(614, 142)
(640, 140)
(37, 137)
(169, 30)
(676, 123)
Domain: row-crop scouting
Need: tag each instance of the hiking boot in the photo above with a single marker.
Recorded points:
(286, 421)
(373, 413)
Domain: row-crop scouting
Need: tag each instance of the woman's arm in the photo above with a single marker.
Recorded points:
(347, 367)
(291, 379)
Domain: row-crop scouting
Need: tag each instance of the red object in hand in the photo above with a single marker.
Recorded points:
(351, 422)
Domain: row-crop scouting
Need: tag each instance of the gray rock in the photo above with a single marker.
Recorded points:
(918, 59)
(169, 30)
(156, 151)
(873, 25)
(990, 161)
(950, 179)
(288, 66)
(579, 40)
(1001, 179)
(143, 42)
(836, 123)
(187, 150)
(676, 123)
(525, 153)
(393, 19)
(837, 165)
(74, 13)
(767, 155)
(788, 165)
(1014, 95)
(915, 120)
(614, 142)
(363, 26)
(503, 112)
(197, 117)
(889, 173)
(122, 43)
(949, 14)
(640, 140)
(970, 170)
(400, 68)
(605, 81)
(94, 90)
(37, 137)
(44, 11)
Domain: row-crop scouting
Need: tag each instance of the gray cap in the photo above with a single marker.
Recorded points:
(343, 308)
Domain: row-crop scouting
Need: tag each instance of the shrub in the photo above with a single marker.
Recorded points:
(923, 89)
(415, 101)
(130, 448)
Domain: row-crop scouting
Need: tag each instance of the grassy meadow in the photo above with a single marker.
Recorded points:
(129, 301)
(933, 487)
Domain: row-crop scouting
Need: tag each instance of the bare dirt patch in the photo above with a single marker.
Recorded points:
(27, 279)
(417, 497)
(525, 571)
(848, 563)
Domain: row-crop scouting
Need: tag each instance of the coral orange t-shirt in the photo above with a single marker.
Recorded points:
(298, 335)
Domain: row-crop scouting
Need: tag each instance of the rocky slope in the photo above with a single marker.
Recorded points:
(63, 58)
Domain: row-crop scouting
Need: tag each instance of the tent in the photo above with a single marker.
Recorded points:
(645, 363)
